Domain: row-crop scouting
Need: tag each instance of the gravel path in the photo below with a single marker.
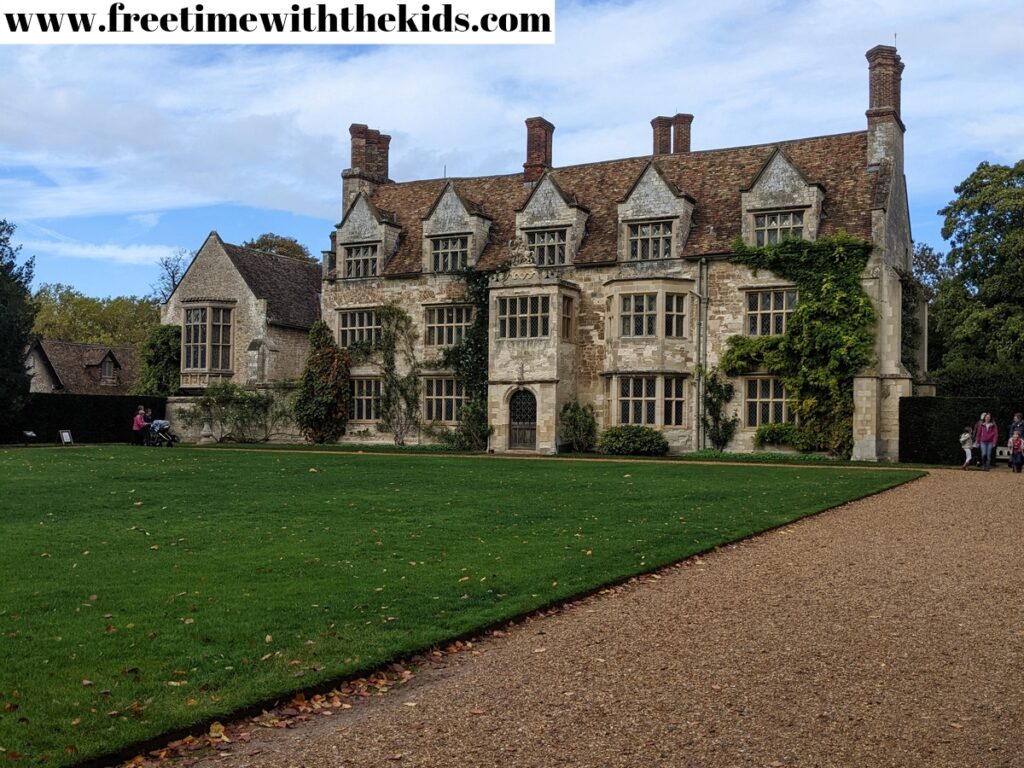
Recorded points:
(889, 632)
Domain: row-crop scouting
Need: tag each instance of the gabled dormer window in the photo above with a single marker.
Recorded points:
(649, 240)
(362, 260)
(449, 254)
(654, 219)
(547, 246)
(772, 226)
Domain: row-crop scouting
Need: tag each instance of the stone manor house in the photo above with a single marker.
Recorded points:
(619, 282)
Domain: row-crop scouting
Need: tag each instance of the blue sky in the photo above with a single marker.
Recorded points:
(113, 156)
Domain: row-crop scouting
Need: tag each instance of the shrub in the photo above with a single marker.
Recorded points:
(321, 404)
(632, 440)
(717, 394)
(470, 434)
(579, 426)
(160, 362)
(235, 414)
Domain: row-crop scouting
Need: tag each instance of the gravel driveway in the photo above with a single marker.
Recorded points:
(888, 632)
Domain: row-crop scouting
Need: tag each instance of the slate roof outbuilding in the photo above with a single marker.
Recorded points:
(77, 367)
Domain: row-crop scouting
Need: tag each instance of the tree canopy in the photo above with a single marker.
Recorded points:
(16, 315)
(279, 244)
(979, 303)
(65, 314)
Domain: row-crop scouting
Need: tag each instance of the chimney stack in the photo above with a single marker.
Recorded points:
(681, 133)
(662, 135)
(884, 77)
(538, 148)
(369, 152)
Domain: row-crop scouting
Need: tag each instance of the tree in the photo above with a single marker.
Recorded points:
(172, 268)
(979, 315)
(160, 362)
(321, 404)
(17, 313)
(279, 244)
(65, 314)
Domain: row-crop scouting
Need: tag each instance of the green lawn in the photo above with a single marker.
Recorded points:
(186, 584)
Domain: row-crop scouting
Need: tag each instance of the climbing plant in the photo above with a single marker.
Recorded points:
(718, 427)
(394, 352)
(829, 337)
(468, 361)
(321, 402)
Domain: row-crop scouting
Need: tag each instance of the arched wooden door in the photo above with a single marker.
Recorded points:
(522, 415)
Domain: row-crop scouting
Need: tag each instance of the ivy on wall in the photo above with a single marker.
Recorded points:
(468, 360)
(829, 336)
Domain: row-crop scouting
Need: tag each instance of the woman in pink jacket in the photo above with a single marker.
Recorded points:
(139, 426)
(986, 435)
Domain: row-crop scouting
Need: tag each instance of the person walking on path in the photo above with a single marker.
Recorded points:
(1016, 426)
(966, 440)
(986, 435)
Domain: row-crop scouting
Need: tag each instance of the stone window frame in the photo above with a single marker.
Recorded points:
(775, 225)
(568, 321)
(356, 333)
(356, 257)
(777, 317)
(636, 238)
(630, 314)
(636, 399)
(676, 308)
(530, 311)
(365, 398)
(447, 395)
(548, 246)
(765, 401)
(441, 247)
(453, 328)
(673, 401)
(205, 347)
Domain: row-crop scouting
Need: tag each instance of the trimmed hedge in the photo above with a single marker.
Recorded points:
(930, 427)
(91, 418)
(632, 440)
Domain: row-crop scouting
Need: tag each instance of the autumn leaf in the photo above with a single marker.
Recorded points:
(217, 733)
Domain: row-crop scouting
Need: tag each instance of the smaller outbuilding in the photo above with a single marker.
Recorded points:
(63, 367)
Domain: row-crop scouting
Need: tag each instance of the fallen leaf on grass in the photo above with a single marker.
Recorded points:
(217, 733)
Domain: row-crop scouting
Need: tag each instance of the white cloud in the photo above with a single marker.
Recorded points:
(116, 254)
(162, 128)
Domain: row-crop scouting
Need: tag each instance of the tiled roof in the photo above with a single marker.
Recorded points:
(714, 179)
(77, 366)
(290, 286)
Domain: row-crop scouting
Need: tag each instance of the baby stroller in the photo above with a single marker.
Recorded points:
(160, 434)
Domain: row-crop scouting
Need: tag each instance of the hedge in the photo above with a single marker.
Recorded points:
(90, 418)
(930, 427)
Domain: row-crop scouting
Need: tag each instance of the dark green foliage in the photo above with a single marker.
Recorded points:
(321, 404)
(786, 433)
(578, 426)
(632, 440)
(829, 337)
(914, 294)
(469, 360)
(160, 362)
(91, 418)
(930, 427)
(717, 394)
(17, 313)
(236, 414)
(981, 379)
(268, 242)
(978, 311)
(472, 431)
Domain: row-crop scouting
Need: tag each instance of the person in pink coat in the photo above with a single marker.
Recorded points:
(986, 435)
(139, 426)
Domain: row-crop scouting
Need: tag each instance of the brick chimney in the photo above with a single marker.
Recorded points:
(884, 77)
(681, 133)
(538, 148)
(662, 127)
(369, 167)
